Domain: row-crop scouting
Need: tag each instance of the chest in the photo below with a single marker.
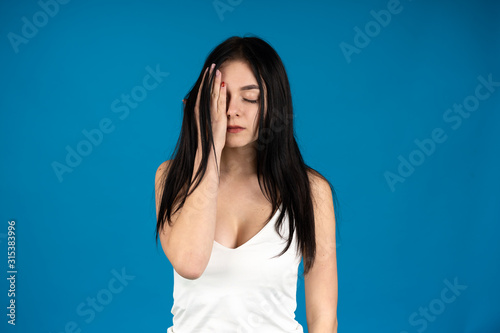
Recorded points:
(242, 212)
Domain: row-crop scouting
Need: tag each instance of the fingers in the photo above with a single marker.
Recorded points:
(217, 95)
(215, 91)
(221, 107)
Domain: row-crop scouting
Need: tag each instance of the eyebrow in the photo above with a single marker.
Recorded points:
(249, 87)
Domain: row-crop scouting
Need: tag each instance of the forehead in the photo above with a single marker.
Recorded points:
(237, 73)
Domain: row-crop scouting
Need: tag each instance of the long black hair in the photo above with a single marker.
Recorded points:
(279, 161)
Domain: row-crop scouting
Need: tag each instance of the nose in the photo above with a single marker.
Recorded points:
(232, 107)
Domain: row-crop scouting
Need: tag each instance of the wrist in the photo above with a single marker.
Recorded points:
(218, 150)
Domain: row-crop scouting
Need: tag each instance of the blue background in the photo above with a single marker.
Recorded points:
(356, 118)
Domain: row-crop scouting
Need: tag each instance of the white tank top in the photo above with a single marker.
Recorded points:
(242, 290)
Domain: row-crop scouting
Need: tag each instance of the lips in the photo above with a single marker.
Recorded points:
(234, 129)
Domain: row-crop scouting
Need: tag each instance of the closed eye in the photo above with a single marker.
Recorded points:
(250, 100)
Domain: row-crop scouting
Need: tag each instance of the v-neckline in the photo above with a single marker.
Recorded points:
(253, 237)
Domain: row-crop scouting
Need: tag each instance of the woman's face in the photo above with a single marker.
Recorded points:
(243, 99)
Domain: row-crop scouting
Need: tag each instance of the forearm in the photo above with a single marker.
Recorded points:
(325, 325)
(192, 235)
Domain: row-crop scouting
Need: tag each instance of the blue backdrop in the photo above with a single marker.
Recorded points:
(396, 102)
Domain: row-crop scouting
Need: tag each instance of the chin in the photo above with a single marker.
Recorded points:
(233, 145)
(237, 143)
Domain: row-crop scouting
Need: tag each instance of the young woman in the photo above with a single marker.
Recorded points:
(237, 207)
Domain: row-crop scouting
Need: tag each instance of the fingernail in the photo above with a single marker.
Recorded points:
(212, 67)
(223, 84)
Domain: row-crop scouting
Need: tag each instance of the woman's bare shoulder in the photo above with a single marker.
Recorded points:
(316, 178)
(162, 168)
(320, 186)
(161, 172)
(164, 165)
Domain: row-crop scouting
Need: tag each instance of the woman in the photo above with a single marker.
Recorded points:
(237, 207)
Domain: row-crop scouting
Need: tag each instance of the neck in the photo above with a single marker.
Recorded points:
(238, 163)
